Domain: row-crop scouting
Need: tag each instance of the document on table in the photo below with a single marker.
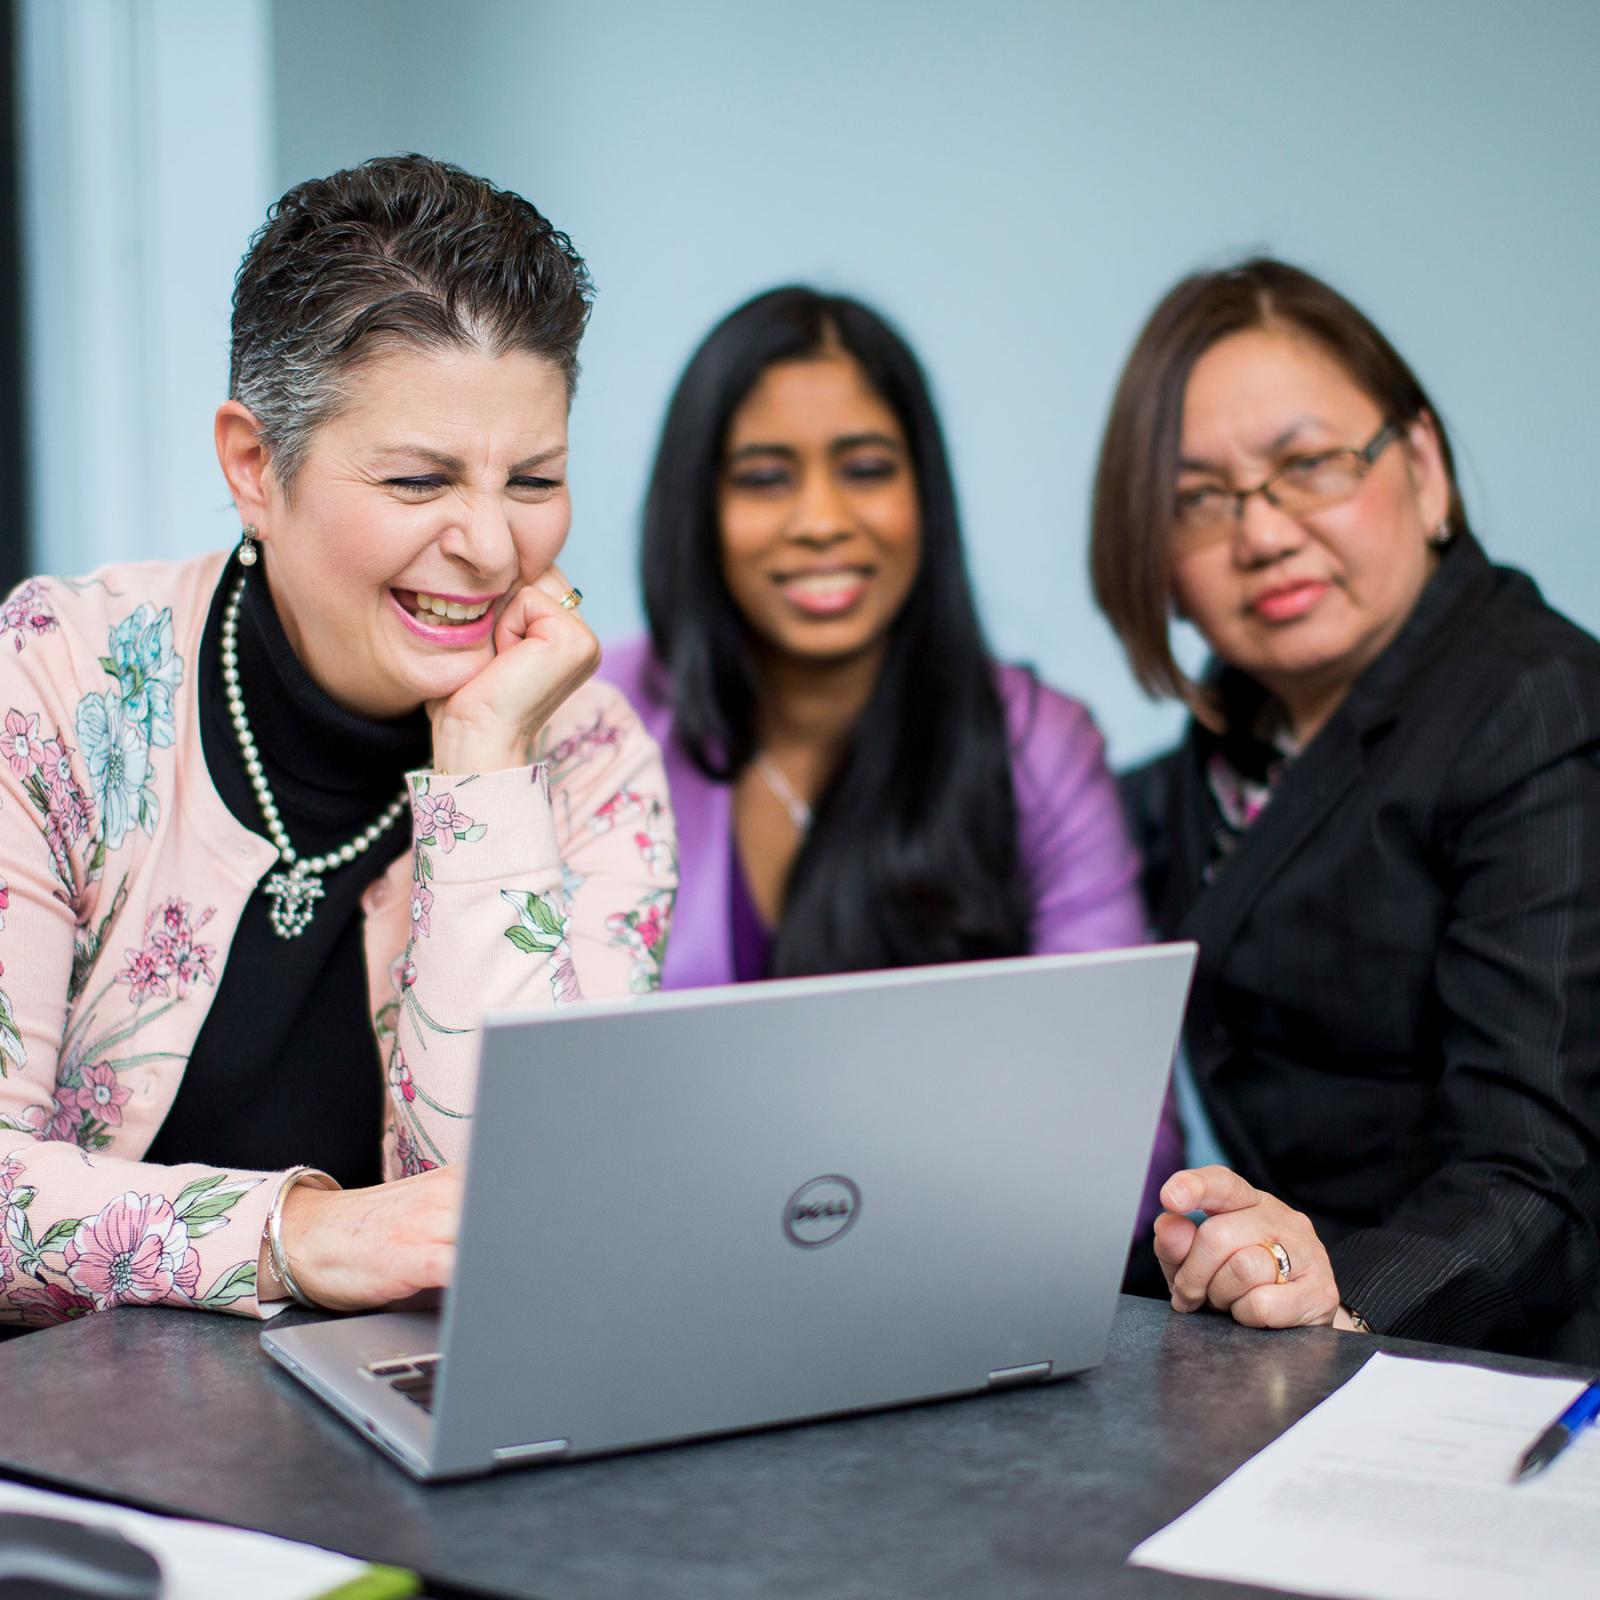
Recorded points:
(201, 1560)
(1398, 1487)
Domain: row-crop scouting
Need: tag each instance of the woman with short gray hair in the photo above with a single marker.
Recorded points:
(238, 993)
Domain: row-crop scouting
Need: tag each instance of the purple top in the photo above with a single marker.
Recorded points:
(750, 936)
(1071, 837)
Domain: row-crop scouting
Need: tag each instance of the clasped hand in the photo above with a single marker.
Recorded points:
(1224, 1263)
(543, 652)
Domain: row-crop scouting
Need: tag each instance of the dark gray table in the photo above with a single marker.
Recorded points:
(1029, 1494)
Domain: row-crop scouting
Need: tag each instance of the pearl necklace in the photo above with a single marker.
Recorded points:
(294, 894)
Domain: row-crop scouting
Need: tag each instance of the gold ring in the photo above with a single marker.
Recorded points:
(1280, 1259)
(572, 599)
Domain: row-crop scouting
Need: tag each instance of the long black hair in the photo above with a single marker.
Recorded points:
(912, 855)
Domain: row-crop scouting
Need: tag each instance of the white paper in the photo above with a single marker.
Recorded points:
(1398, 1487)
(200, 1560)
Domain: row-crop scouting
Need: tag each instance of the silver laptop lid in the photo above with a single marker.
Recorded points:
(722, 1208)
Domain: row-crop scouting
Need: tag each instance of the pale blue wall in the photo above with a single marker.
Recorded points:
(147, 143)
(1016, 184)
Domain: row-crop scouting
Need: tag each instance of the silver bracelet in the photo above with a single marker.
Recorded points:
(277, 1259)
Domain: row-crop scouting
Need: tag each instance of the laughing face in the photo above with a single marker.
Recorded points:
(418, 511)
(1301, 603)
(821, 529)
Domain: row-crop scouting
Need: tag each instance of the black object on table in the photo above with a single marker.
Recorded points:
(52, 1558)
(1024, 1495)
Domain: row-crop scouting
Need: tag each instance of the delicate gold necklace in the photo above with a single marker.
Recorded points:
(784, 792)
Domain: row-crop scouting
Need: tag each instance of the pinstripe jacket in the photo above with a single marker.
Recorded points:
(1396, 1019)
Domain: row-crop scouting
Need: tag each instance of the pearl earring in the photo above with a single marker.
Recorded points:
(249, 550)
(1442, 535)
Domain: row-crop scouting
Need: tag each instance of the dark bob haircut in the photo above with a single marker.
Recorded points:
(403, 251)
(1137, 474)
(912, 854)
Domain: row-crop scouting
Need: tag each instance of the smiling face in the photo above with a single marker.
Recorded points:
(821, 529)
(419, 508)
(1302, 604)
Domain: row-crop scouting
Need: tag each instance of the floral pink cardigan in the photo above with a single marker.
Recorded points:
(125, 876)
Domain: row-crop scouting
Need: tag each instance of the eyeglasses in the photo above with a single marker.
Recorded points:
(1302, 485)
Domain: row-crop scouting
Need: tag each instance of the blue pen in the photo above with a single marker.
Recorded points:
(1559, 1434)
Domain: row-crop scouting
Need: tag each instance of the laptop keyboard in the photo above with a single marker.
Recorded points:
(412, 1376)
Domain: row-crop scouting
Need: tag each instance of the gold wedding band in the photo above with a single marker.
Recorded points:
(572, 599)
(1280, 1259)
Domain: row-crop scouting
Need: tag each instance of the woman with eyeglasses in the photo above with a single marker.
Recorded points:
(857, 783)
(1383, 828)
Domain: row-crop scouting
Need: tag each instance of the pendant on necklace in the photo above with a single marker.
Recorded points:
(294, 895)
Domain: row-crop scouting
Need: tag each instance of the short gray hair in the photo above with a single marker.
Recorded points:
(402, 251)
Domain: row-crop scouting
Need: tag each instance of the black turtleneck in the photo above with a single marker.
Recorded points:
(285, 1069)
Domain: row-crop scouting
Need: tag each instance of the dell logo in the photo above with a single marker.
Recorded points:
(820, 1211)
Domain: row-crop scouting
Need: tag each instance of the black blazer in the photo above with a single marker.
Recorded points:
(1396, 1016)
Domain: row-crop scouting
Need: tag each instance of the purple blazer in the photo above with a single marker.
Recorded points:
(1072, 840)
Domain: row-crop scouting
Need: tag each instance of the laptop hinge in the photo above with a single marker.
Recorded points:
(1010, 1377)
(532, 1452)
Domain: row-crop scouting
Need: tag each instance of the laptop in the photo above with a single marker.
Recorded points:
(724, 1209)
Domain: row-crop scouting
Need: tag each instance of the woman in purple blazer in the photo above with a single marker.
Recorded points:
(857, 783)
